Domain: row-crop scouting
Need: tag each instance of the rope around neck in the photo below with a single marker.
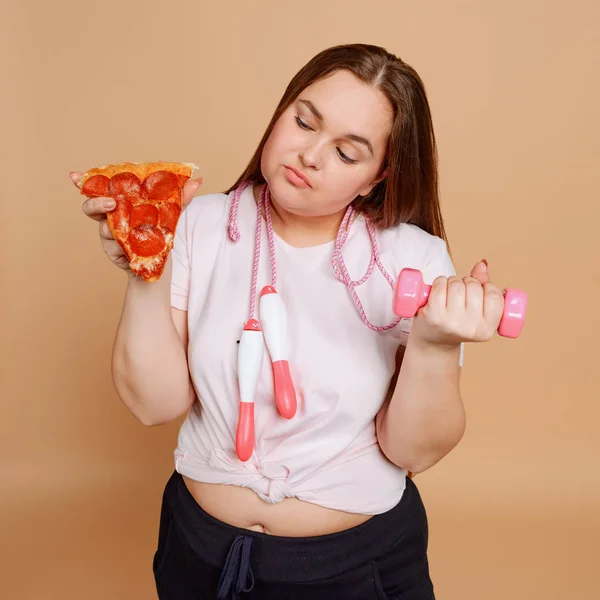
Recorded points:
(338, 264)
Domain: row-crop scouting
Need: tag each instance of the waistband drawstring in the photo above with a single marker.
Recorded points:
(237, 569)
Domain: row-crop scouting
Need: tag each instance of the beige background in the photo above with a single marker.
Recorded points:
(515, 97)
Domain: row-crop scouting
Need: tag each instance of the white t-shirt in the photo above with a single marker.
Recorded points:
(327, 453)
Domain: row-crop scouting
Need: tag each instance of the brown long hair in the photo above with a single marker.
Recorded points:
(409, 193)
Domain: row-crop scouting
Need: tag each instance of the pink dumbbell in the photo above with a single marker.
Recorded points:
(411, 294)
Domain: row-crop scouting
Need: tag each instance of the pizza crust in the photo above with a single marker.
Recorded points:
(140, 169)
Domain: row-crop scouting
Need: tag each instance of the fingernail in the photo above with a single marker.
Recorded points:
(484, 261)
(109, 204)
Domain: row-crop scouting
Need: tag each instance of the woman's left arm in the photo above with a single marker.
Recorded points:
(425, 417)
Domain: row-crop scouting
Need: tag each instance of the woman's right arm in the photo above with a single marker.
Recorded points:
(149, 360)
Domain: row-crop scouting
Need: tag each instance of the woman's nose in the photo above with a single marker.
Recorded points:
(311, 157)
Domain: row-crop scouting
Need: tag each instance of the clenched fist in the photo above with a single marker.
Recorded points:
(460, 310)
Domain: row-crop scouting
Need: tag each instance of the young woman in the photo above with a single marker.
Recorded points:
(339, 197)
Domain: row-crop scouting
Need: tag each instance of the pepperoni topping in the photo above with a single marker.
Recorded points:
(119, 217)
(169, 215)
(146, 240)
(125, 184)
(143, 213)
(161, 185)
(96, 185)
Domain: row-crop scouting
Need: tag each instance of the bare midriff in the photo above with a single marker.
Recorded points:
(291, 517)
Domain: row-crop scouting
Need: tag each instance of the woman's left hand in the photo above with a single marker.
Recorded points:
(460, 310)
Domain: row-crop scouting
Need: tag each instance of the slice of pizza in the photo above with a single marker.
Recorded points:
(148, 197)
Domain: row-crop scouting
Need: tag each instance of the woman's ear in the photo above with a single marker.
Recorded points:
(382, 176)
(368, 189)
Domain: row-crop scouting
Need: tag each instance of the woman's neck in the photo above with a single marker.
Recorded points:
(300, 231)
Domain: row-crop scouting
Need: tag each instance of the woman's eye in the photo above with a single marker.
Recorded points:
(302, 124)
(345, 158)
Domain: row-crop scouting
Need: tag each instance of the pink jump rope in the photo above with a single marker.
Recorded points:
(410, 294)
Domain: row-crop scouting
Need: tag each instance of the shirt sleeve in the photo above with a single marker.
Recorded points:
(180, 279)
(439, 264)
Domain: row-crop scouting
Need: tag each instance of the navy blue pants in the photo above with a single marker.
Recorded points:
(202, 558)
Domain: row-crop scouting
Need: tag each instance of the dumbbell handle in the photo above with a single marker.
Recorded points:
(412, 293)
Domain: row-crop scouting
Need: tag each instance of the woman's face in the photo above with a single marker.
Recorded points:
(328, 146)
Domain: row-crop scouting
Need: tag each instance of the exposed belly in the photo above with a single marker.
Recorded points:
(241, 507)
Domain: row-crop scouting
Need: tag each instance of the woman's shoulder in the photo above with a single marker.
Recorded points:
(208, 205)
(414, 243)
(207, 212)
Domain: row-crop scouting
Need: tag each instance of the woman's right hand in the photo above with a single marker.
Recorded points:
(96, 209)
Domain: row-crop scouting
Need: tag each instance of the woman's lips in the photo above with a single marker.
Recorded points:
(297, 178)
